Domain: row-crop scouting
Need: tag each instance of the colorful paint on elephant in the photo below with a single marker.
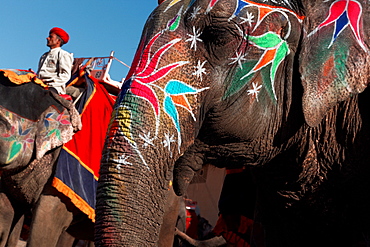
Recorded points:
(342, 28)
(174, 23)
(273, 47)
(21, 135)
(141, 83)
(172, 2)
(145, 80)
(264, 9)
(343, 14)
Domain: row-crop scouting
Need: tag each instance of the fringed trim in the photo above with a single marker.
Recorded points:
(80, 161)
(21, 79)
(76, 199)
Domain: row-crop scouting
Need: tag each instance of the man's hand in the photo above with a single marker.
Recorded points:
(31, 70)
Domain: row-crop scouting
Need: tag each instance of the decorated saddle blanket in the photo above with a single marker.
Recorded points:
(78, 165)
(19, 76)
(34, 119)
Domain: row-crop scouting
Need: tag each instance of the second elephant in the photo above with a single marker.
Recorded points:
(270, 84)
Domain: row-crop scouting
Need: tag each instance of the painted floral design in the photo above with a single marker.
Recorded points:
(343, 14)
(275, 49)
(176, 92)
(20, 139)
(142, 83)
(60, 119)
(146, 72)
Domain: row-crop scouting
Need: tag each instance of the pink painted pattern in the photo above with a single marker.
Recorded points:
(344, 13)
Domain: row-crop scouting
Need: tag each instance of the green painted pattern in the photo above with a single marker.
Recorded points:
(341, 54)
(267, 67)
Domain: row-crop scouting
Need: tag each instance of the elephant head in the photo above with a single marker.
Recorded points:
(219, 71)
(221, 76)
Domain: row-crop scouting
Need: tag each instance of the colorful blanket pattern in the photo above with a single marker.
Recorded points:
(78, 165)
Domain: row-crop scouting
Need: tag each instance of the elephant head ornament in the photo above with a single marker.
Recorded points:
(212, 74)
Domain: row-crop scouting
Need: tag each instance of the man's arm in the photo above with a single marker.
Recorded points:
(64, 69)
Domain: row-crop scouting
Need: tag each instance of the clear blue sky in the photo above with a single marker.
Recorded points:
(96, 27)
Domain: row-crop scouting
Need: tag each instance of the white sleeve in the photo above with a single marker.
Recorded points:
(64, 69)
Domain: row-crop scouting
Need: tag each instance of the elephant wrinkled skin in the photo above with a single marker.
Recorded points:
(278, 85)
(34, 125)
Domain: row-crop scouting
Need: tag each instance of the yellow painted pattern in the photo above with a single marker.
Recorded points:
(125, 122)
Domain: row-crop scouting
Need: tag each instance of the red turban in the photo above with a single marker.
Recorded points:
(61, 33)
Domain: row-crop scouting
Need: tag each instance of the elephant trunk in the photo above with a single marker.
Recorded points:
(129, 205)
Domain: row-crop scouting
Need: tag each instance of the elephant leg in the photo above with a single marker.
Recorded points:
(65, 239)
(16, 232)
(50, 218)
(6, 218)
(167, 232)
(83, 243)
(82, 228)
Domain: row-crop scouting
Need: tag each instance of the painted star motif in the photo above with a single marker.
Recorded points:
(194, 37)
(240, 57)
(147, 140)
(241, 32)
(275, 51)
(167, 142)
(249, 19)
(200, 70)
(122, 160)
(194, 14)
(255, 91)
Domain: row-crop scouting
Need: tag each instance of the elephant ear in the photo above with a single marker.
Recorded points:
(56, 127)
(334, 59)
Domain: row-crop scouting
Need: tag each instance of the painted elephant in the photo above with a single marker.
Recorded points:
(34, 125)
(272, 84)
(29, 187)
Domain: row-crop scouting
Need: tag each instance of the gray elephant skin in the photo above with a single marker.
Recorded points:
(276, 85)
(34, 125)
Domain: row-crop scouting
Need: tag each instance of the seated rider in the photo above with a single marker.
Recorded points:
(55, 65)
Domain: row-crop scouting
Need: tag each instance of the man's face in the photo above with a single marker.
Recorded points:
(53, 41)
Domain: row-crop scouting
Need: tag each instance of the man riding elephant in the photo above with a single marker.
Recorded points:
(55, 66)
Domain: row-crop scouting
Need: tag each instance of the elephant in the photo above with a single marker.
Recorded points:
(276, 85)
(28, 187)
(33, 128)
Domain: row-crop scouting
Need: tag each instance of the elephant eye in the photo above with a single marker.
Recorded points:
(221, 41)
(215, 36)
